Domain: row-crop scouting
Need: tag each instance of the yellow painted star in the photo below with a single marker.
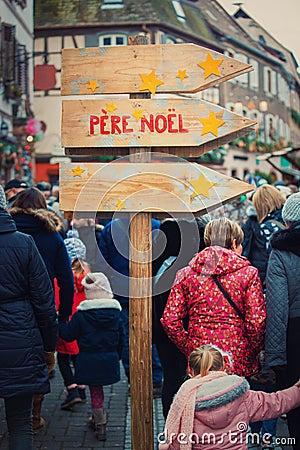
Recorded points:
(211, 124)
(120, 204)
(138, 114)
(210, 66)
(78, 171)
(201, 186)
(150, 82)
(110, 107)
(93, 85)
(182, 74)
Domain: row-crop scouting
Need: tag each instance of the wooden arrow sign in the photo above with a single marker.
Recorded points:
(149, 187)
(150, 68)
(147, 123)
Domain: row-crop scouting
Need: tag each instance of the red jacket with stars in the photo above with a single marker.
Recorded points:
(211, 319)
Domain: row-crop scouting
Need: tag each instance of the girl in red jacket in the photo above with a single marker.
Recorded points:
(68, 351)
(212, 410)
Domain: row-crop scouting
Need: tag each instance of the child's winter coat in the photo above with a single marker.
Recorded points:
(97, 327)
(71, 348)
(213, 412)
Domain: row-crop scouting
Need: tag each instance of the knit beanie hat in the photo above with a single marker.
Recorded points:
(291, 208)
(96, 286)
(2, 198)
(75, 248)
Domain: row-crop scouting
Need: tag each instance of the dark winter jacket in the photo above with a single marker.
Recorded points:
(98, 329)
(90, 236)
(283, 293)
(114, 254)
(256, 245)
(45, 226)
(28, 324)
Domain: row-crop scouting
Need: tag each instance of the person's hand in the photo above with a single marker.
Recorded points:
(298, 384)
(50, 360)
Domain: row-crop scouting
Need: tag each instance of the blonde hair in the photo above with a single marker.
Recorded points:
(266, 200)
(204, 359)
(222, 232)
(80, 266)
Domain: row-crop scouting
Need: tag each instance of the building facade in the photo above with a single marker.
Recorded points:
(269, 94)
(16, 75)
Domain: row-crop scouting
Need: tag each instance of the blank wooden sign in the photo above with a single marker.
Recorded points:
(145, 68)
(145, 187)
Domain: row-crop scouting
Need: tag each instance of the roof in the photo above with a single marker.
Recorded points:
(290, 154)
(267, 42)
(55, 13)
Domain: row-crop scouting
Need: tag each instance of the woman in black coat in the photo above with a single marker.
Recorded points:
(31, 216)
(175, 245)
(28, 327)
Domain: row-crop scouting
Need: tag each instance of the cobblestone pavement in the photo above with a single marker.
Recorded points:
(67, 430)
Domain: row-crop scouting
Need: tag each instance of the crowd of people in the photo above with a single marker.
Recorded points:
(226, 315)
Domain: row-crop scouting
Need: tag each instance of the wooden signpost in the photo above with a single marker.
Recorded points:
(139, 186)
(153, 68)
(134, 123)
(181, 187)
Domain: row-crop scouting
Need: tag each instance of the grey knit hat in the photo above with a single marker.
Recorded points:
(96, 286)
(2, 198)
(291, 208)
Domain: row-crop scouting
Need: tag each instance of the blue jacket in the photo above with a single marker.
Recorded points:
(97, 326)
(28, 323)
(114, 254)
(44, 227)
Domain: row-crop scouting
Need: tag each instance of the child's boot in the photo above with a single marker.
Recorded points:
(82, 395)
(100, 418)
(72, 398)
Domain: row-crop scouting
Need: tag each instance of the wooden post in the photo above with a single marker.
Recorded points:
(140, 311)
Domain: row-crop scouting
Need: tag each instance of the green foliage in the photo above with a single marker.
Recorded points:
(264, 175)
(296, 117)
(215, 156)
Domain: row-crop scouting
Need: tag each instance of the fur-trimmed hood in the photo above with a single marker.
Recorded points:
(287, 240)
(218, 400)
(101, 303)
(100, 314)
(220, 392)
(33, 219)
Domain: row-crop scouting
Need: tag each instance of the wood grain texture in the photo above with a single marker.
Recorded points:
(184, 151)
(145, 187)
(117, 70)
(162, 122)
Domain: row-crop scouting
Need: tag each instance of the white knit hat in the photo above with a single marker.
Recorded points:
(96, 286)
(2, 198)
(291, 208)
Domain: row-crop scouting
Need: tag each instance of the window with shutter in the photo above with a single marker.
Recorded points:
(8, 51)
(22, 68)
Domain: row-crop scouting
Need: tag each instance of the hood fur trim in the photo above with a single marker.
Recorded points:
(51, 220)
(103, 303)
(220, 392)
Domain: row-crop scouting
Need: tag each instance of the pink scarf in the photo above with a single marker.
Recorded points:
(181, 415)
